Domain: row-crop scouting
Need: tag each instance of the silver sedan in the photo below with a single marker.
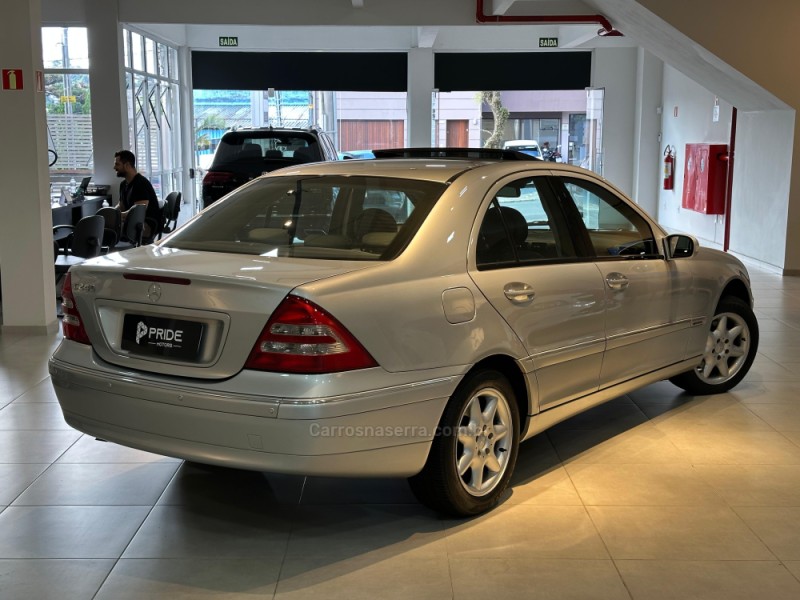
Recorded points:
(417, 315)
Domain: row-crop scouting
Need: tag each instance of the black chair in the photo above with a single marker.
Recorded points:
(133, 228)
(112, 231)
(85, 241)
(171, 210)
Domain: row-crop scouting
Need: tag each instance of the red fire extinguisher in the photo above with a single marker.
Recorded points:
(669, 169)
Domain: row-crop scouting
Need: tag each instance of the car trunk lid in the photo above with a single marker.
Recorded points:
(192, 314)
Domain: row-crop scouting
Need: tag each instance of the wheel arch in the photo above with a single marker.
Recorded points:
(737, 288)
(510, 369)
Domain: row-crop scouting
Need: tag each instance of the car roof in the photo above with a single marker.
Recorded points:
(428, 169)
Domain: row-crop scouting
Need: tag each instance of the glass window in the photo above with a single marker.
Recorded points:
(614, 228)
(521, 227)
(328, 217)
(154, 111)
(68, 103)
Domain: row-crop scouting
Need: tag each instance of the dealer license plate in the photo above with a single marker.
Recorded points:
(156, 336)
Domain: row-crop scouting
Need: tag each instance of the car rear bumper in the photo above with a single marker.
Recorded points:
(386, 432)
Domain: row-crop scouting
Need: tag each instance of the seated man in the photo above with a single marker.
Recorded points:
(135, 189)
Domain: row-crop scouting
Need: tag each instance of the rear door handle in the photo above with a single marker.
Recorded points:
(518, 292)
(617, 281)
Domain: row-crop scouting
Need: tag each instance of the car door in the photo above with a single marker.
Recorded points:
(645, 295)
(525, 263)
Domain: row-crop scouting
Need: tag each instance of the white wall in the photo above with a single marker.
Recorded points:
(614, 69)
(692, 125)
(759, 211)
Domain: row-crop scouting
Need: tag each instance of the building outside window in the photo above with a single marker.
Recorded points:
(68, 103)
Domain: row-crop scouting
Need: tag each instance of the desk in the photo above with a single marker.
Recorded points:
(70, 214)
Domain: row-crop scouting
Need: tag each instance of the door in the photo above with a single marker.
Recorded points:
(645, 295)
(526, 265)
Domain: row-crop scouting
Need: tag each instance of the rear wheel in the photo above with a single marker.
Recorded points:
(730, 350)
(475, 448)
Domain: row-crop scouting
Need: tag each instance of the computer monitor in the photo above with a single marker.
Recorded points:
(81, 191)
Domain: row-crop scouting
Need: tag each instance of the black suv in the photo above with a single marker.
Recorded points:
(245, 154)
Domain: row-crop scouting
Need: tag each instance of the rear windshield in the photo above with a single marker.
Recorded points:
(242, 147)
(327, 217)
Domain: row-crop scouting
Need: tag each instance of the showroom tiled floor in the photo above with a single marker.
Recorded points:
(654, 495)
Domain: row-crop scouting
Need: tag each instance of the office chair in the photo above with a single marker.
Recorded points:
(172, 208)
(133, 228)
(85, 241)
(113, 228)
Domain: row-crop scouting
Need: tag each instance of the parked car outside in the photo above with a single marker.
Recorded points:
(244, 154)
(530, 147)
(301, 326)
(351, 154)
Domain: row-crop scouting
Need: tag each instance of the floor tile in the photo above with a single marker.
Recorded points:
(777, 527)
(562, 579)
(782, 417)
(202, 532)
(539, 478)
(676, 533)
(736, 447)
(766, 392)
(68, 531)
(32, 415)
(35, 446)
(41, 392)
(754, 485)
(528, 532)
(644, 444)
(187, 579)
(642, 485)
(710, 413)
(365, 578)
(708, 580)
(15, 478)
(376, 530)
(209, 488)
(99, 485)
(44, 579)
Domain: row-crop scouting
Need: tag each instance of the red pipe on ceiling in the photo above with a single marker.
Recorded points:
(606, 28)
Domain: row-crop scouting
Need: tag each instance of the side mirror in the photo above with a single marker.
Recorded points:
(680, 246)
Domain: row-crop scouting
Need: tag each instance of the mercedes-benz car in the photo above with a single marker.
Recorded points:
(298, 326)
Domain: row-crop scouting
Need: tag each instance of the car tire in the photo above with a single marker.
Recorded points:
(730, 349)
(474, 450)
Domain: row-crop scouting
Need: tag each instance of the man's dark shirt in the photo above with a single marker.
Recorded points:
(139, 188)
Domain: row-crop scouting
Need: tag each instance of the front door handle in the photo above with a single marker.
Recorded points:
(518, 293)
(617, 281)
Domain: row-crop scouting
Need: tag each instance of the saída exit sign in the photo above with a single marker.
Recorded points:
(548, 42)
(228, 41)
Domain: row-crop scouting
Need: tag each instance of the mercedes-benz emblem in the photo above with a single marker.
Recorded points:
(154, 292)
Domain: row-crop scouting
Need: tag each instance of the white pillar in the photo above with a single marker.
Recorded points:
(420, 88)
(107, 84)
(26, 239)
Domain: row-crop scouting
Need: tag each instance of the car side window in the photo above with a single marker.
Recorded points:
(521, 226)
(615, 229)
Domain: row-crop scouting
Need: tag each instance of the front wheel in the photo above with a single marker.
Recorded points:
(474, 450)
(730, 350)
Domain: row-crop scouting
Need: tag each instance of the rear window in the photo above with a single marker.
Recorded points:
(243, 147)
(323, 217)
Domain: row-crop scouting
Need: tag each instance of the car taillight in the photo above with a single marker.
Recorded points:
(301, 337)
(218, 178)
(71, 322)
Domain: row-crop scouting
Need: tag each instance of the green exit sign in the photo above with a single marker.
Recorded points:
(228, 41)
(548, 42)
